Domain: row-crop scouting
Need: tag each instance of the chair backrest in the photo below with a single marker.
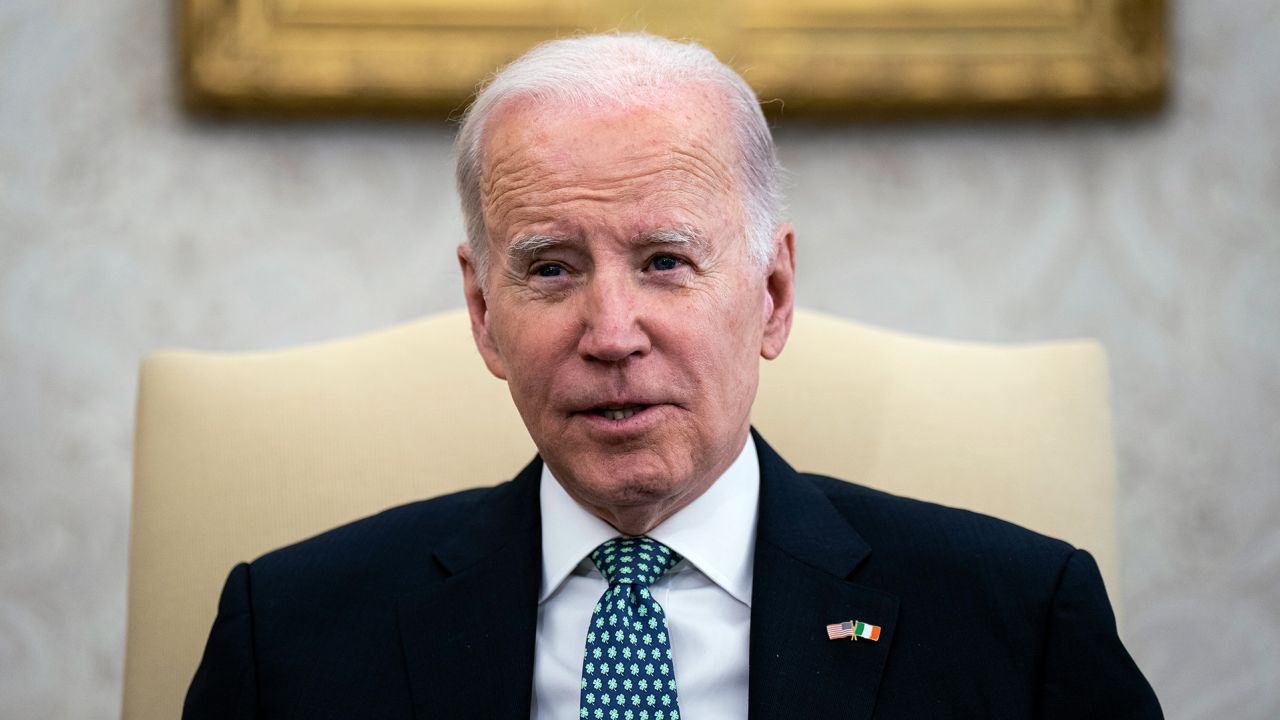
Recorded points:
(237, 454)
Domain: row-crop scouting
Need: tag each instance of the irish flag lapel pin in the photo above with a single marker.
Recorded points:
(853, 629)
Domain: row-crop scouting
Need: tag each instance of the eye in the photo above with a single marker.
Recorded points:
(664, 263)
(549, 270)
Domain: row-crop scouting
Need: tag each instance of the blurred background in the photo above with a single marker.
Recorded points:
(127, 225)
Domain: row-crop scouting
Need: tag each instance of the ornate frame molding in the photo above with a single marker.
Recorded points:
(844, 59)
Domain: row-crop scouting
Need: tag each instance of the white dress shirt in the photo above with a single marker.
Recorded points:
(706, 596)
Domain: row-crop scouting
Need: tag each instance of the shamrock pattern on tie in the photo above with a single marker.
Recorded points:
(627, 672)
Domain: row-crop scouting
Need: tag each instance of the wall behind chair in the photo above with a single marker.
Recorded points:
(125, 227)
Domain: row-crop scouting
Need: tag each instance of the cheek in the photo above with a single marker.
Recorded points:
(745, 334)
(726, 353)
(532, 348)
(747, 314)
(523, 355)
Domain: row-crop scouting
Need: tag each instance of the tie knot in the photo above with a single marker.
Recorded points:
(633, 560)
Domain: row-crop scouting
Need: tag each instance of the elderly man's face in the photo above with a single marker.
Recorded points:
(621, 304)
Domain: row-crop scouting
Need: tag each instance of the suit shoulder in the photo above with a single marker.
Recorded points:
(398, 540)
(919, 531)
(419, 521)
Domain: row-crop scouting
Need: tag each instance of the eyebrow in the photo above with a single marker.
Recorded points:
(693, 240)
(526, 247)
(684, 235)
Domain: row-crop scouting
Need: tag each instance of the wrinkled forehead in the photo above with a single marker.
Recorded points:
(529, 142)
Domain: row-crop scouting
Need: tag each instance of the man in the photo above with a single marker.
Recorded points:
(625, 270)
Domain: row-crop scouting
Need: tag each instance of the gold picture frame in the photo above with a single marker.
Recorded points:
(844, 59)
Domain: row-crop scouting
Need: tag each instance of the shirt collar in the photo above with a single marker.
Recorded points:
(716, 533)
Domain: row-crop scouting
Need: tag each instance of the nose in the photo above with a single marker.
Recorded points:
(613, 330)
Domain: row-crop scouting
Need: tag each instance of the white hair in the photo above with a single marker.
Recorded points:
(624, 68)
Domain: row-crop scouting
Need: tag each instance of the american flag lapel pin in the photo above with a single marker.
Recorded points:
(853, 629)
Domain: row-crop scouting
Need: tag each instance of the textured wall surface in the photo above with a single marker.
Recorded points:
(125, 227)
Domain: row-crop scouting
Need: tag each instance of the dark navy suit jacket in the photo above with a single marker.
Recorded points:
(429, 611)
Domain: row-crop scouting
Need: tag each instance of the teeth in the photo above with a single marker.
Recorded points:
(618, 414)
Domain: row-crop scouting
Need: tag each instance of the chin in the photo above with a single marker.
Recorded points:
(627, 480)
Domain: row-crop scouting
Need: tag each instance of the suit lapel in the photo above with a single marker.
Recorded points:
(805, 553)
(469, 640)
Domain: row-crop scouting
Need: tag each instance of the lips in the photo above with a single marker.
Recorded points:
(620, 406)
(618, 412)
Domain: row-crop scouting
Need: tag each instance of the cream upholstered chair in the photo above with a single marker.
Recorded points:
(237, 454)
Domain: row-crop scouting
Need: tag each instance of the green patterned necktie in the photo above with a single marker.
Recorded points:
(627, 672)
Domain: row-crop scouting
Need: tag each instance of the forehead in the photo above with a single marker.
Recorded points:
(677, 147)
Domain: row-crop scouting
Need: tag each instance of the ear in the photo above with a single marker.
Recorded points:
(478, 308)
(779, 304)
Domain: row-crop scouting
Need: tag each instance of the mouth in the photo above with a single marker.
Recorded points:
(618, 412)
